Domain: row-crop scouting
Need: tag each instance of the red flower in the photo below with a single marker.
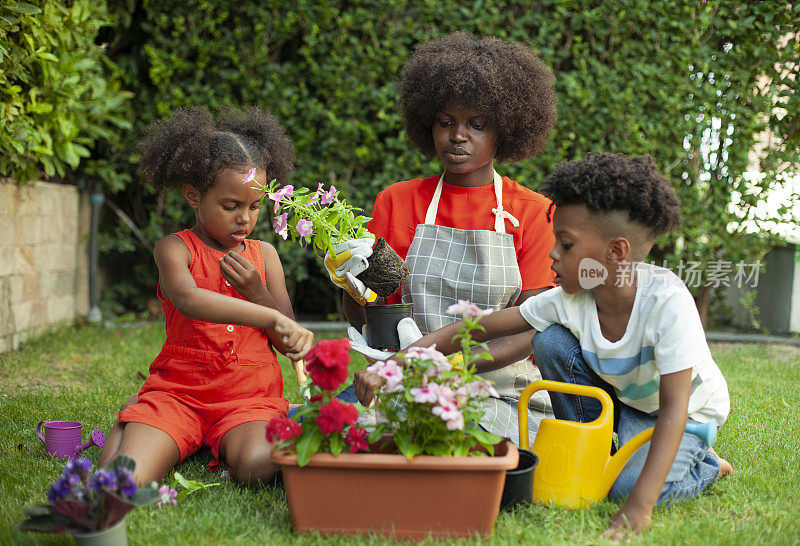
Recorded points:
(356, 439)
(335, 414)
(327, 362)
(283, 428)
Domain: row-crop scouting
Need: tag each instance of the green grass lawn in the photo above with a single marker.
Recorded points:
(84, 373)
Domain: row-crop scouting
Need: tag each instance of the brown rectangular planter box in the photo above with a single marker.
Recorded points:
(388, 494)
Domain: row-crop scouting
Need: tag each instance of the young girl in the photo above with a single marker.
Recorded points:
(217, 380)
(468, 233)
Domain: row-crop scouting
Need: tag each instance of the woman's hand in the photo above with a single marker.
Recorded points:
(297, 341)
(243, 277)
(348, 260)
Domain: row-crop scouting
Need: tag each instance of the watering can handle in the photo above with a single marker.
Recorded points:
(606, 411)
(39, 430)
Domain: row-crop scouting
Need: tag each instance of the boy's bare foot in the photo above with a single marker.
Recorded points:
(725, 467)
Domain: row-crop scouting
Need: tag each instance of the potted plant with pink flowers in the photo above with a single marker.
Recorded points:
(323, 219)
(424, 466)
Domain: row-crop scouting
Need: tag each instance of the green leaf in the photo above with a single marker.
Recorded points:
(309, 443)
(47, 56)
(24, 8)
(336, 443)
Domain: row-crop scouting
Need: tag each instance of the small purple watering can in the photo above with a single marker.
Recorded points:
(63, 438)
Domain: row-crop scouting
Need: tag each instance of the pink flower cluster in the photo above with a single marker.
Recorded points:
(430, 354)
(391, 372)
(166, 496)
(325, 197)
(467, 309)
(447, 403)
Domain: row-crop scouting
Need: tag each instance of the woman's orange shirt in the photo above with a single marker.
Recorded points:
(402, 206)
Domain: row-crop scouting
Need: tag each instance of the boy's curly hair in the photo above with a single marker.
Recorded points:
(609, 182)
(193, 148)
(505, 81)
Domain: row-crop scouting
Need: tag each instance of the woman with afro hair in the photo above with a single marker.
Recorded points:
(468, 233)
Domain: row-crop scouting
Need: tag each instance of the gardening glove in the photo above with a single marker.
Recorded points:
(407, 332)
(348, 260)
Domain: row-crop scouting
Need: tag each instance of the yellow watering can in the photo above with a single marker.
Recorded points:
(575, 466)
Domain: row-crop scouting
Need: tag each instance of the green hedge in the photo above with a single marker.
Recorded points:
(59, 95)
(632, 76)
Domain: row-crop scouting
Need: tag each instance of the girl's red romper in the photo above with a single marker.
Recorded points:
(209, 378)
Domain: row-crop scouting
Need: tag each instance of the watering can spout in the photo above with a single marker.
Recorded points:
(617, 461)
(97, 438)
(705, 431)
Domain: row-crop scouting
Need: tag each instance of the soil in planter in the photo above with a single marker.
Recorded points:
(386, 270)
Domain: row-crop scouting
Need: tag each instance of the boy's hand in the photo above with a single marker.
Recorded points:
(242, 276)
(366, 383)
(297, 341)
(628, 521)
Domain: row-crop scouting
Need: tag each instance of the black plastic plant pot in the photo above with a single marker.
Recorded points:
(518, 489)
(382, 322)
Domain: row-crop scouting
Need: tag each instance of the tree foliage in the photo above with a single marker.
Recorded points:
(695, 84)
(59, 96)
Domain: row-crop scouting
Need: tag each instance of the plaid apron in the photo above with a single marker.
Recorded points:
(449, 264)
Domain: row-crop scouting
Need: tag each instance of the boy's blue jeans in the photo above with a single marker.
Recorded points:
(558, 355)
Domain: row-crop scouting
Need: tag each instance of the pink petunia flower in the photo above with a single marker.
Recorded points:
(167, 496)
(431, 354)
(428, 394)
(304, 227)
(316, 194)
(250, 176)
(281, 224)
(285, 191)
(449, 412)
(467, 309)
(391, 372)
(328, 196)
(479, 389)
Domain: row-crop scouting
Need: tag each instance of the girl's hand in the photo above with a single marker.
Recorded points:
(243, 277)
(297, 341)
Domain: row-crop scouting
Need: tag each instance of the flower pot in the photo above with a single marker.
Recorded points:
(389, 495)
(381, 321)
(518, 488)
(386, 270)
(116, 535)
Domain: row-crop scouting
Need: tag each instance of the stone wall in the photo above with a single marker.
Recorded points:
(44, 258)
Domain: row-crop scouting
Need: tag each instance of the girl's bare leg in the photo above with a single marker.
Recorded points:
(247, 451)
(154, 451)
(114, 436)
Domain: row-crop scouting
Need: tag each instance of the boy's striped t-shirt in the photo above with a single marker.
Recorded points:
(664, 335)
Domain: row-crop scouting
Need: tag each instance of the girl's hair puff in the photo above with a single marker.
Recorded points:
(505, 81)
(193, 148)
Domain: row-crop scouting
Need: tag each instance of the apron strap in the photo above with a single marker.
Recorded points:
(499, 213)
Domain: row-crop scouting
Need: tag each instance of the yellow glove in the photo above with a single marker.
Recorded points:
(456, 360)
(348, 260)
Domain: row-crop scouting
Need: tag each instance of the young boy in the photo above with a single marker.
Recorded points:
(621, 325)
